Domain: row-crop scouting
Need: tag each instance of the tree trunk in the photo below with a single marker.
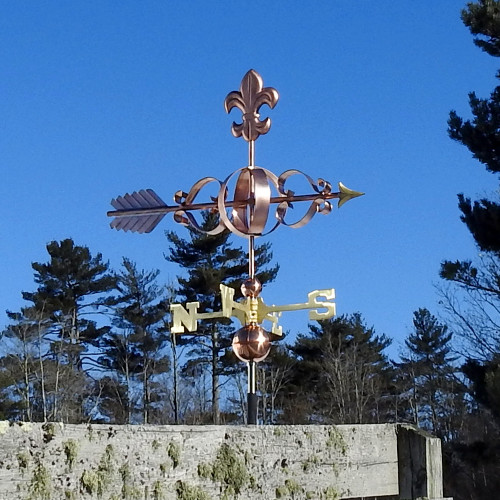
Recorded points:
(215, 378)
(145, 395)
(56, 410)
(261, 377)
(127, 382)
(173, 342)
(26, 377)
(42, 371)
(42, 378)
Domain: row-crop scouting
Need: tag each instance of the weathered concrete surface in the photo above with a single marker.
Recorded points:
(420, 464)
(55, 461)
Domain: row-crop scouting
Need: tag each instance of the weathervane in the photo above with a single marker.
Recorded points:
(256, 193)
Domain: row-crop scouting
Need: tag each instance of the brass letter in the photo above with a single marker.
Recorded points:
(183, 319)
(329, 306)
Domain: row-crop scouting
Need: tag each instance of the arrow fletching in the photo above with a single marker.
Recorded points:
(137, 223)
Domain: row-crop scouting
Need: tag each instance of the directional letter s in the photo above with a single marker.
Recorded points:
(322, 304)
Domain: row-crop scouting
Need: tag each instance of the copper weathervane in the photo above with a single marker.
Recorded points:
(260, 203)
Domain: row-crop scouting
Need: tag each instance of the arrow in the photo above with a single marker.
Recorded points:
(143, 210)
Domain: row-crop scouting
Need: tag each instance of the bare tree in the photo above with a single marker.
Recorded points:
(342, 374)
(471, 301)
(275, 372)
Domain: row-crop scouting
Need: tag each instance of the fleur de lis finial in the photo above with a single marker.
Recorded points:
(248, 100)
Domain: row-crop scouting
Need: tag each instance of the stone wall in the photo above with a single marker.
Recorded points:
(70, 462)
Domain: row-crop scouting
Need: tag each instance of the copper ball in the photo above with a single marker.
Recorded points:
(251, 343)
(251, 287)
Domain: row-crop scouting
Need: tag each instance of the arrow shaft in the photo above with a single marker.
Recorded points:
(165, 209)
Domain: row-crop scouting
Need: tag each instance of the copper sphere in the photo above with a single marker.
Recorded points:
(251, 343)
(251, 287)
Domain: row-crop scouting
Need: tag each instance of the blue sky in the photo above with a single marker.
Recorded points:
(102, 98)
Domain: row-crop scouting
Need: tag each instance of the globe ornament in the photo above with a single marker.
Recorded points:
(251, 343)
(251, 287)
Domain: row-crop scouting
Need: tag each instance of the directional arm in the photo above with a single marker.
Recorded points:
(313, 304)
(320, 304)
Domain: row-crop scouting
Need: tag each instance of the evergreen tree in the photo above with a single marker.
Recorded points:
(433, 392)
(479, 323)
(472, 458)
(135, 350)
(481, 135)
(210, 260)
(70, 286)
(23, 381)
(342, 374)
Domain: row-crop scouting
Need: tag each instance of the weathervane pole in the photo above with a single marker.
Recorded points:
(251, 96)
(251, 239)
(252, 401)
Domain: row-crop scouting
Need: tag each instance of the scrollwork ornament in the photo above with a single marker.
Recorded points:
(318, 204)
(185, 200)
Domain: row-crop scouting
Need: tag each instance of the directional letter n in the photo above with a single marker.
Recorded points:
(183, 319)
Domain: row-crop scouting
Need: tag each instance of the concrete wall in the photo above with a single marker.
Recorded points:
(56, 461)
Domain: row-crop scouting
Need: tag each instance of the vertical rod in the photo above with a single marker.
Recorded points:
(251, 395)
(251, 241)
(251, 154)
(251, 257)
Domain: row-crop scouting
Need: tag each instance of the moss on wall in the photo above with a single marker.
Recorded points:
(23, 460)
(40, 486)
(96, 482)
(49, 431)
(185, 491)
(291, 489)
(70, 448)
(228, 469)
(101, 462)
(174, 453)
(336, 440)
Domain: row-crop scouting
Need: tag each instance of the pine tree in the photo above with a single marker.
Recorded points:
(481, 135)
(346, 359)
(433, 392)
(208, 261)
(71, 285)
(475, 311)
(136, 350)
(479, 281)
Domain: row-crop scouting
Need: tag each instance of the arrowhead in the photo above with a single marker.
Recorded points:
(346, 194)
